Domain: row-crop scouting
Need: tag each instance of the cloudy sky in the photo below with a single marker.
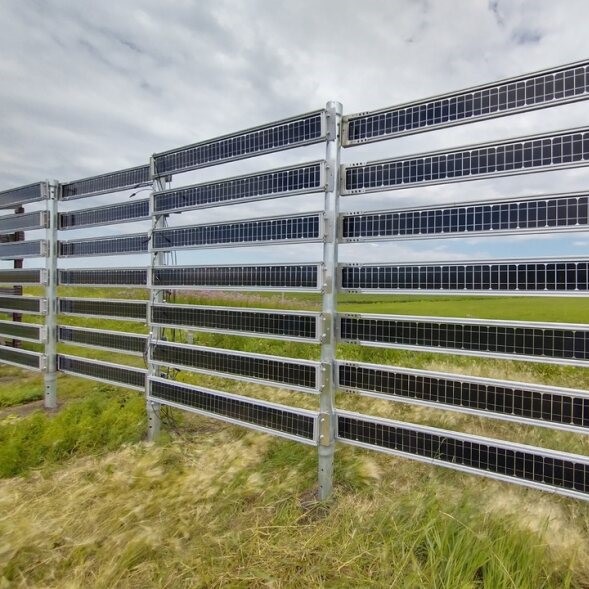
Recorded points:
(89, 87)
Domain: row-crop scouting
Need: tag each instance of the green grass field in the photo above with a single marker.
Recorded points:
(85, 503)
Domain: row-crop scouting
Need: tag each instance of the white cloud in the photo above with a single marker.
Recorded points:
(92, 87)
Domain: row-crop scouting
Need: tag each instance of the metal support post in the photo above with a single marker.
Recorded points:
(155, 296)
(50, 397)
(328, 343)
(18, 290)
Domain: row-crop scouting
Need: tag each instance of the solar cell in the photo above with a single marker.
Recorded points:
(269, 417)
(23, 249)
(270, 370)
(119, 309)
(564, 149)
(548, 213)
(22, 222)
(299, 228)
(244, 321)
(559, 472)
(23, 276)
(105, 246)
(125, 376)
(560, 343)
(11, 198)
(288, 133)
(22, 358)
(507, 277)
(292, 277)
(129, 277)
(127, 179)
(303, 179)
(29, 305)
(540, 405)
(542, 89)
(98, 338)
(135, 210)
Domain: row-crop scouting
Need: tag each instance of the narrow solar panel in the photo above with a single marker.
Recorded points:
(13, 197)
(304, 277)
(99, 338)
(125, 376)
(558, 343)
(302, 179)
(112, 309)
(292, 132)
(297, 228)
(134, 210)
(22, 358)
(22, 331)
(280, 420)
(29, 305)
(522, 277)
(552, 87)
(528, 215)
(23, 222)
(104, 246)
(289, 325)
(535, 153)
(23, 249)
(553, 407)
(22, 276)
(129, 277)
(127, 179)
(269, 370)
(558, 472)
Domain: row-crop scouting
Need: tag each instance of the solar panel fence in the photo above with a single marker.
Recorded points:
(314, 286)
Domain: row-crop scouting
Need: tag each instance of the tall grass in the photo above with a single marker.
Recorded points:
(224, 508)
(101, 421)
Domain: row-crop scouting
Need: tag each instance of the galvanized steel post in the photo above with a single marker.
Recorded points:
(50, 396)
(156, 258)
(326, 446)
